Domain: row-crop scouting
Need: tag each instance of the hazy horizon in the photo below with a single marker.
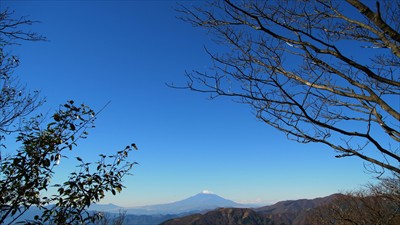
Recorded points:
(255, 203)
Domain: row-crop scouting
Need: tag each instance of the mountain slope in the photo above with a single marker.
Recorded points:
(222, 216)
(197, 203)
(104, 207)
(292, 212)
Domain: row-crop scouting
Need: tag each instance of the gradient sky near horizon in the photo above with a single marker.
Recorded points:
(125, 52)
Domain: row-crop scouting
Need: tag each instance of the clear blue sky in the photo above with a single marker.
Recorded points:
(125, 52)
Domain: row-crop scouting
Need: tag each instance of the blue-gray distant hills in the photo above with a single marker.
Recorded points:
(197, 203)
(105, 208)
(207, 208)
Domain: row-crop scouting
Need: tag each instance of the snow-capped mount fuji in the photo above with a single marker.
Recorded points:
(205, 200)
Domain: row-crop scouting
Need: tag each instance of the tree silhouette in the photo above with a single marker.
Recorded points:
(26, 172)
(320, 71)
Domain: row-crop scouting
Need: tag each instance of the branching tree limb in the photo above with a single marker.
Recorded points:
(16, 103)
(320, 71)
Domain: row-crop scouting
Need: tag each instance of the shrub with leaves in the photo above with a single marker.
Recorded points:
(26, 175)
(27, 171)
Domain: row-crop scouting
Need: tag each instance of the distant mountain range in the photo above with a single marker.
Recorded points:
(105, 207)
(201, 202)
(292, 212)
(156, 214)
(206, 208)
(223, 216)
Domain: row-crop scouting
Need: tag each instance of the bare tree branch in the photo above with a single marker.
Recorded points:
(291, 62)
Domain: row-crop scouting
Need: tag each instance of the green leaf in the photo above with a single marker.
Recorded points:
(57, 117)
(46, 162)
(119, 189)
